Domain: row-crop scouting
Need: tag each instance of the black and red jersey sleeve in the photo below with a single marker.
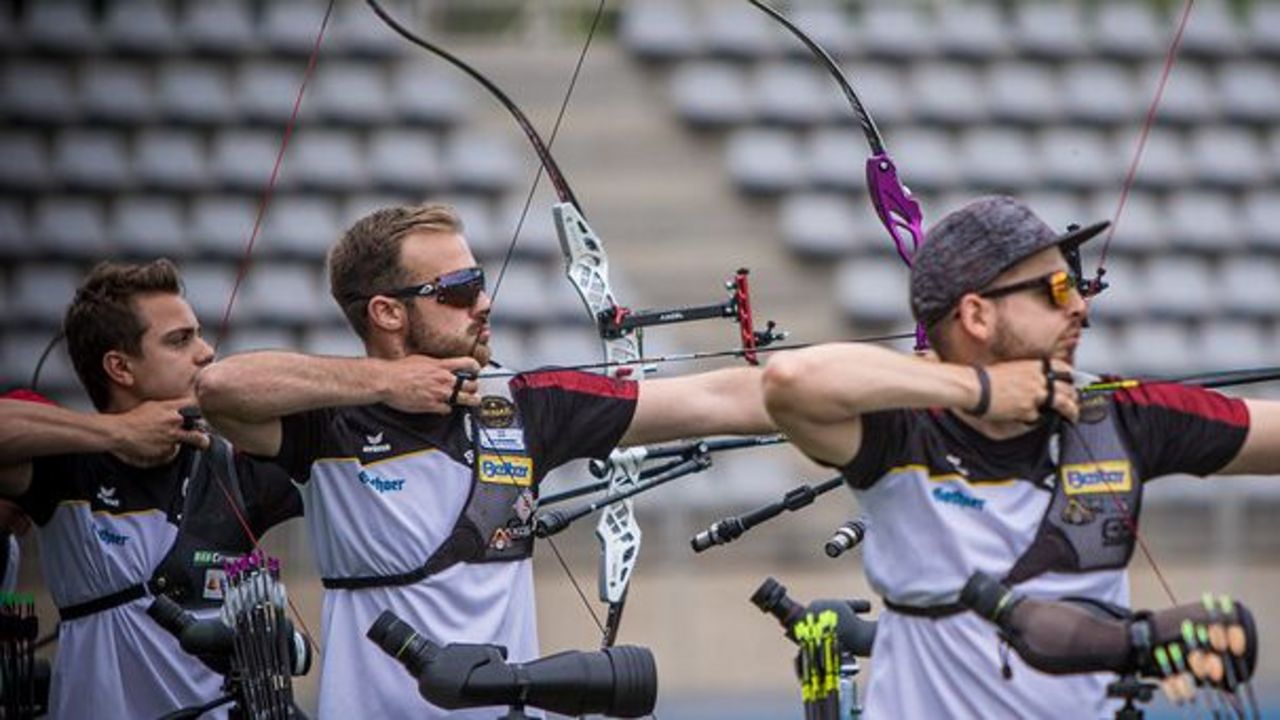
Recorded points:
(1175, 428)
(569, 414)
(304, 437)
(884, 445)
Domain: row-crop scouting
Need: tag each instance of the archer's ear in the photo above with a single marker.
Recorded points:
(386, 314)
(976, 317)
(119, 368)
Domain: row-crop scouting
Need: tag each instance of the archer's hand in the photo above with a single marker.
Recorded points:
(151, 433)
(421, 384)
(1019, 390)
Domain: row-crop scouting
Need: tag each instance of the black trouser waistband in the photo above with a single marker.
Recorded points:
(933, 612)
(106, 602)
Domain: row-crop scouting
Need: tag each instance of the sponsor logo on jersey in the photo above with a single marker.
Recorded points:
(212, 558)
(496, 411)
(1081, 510)
(506, 470)
(213, 582)
(107, 496)
(1115, 531)
(375, 444)
(109, 537)
(503, 537)
(524, 506)
(959, 498)
(502, 439)
(1110, 476)
(380, 484)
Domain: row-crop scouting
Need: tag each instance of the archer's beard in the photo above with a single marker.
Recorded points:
(421, 340)
(1008, 346)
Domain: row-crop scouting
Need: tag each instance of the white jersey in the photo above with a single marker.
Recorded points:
(383, 490)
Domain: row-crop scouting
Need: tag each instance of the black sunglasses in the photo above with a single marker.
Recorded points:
(459, 288)
(1057, 285)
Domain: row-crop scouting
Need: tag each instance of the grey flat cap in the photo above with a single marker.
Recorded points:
(970, 247)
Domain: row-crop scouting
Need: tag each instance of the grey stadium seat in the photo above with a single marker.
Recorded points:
(40, 293)
(280, 293)
(1264, 28)
(829, 26)
(1250, 91)
(974, 30)
(560, 346)
(1165, 162)
(422, 92)
(1157, 349)
(59, 26)
(20, 352)
(207, 287)
(300, 226)
(1232, 345)
(1204, 222)
(1250, 287)
(291, 26)
(1189, 96)
(710, 94)
(265, 91)
(1260, 218)
(404, 159)
(221, 224)
(26, 160)
(1022, 92)
(351, 92)
(1142, 228)
(926, 158)
(947, 93)
(339, 342)
(482, 162)
(357, 31)
(873, 291)
(170, 159)
(148, 227)
(538, 237)
(737, 30)
(219, 26)
(818, 226)
(1212, 31)
(15, 242)
(764, 161)
(1129, 30)
(1179, 288)
(37, 91)
(243, 159)
(195, 92)
(1229, 157)
(523, 291)
(1052, 29)
(659, 29)
(1126, 297)
(1057, 208)
(790, 93)
(116, 92)
(69, 226)
(837, 159)
(141, 26)
(1078, 159)
(879, 86)
(898, 30)
(1096, 352)
(248, 338)
(91, 159)
(326, 160)
(1100, 93)
(999, 158)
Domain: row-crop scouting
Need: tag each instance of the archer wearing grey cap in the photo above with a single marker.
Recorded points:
(981, 459)
(972, 246)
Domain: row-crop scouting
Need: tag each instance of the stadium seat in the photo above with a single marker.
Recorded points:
(352, 92)
(242, 159)
(195, 92)
(873, 291)
(1264, 28)
(879, 85)
(148, 227)
(739, 31)
(973, 30)
(332, 341)
(1165, 163)
(26, 161)
(818, 226)
(20, 352)
(91, 159)
(1212, 31)
(1050, 29)
(223, 27)
(1249, 286)
(1097, 350)
(1249, 91)
(358, 32)
(59, 26)
(169, 160)
(1179, 288)
(221, 224)
(1260, 219)
(925, 158)
(947, 93)
(142, 27)
(39, 92)
(291, 26)
(1229, 158)
(40, 293)
(278, 293)
(249, 338)
(327, 160)
(116, 92)
(558, 346)
(896, 30)
(70, 227)
(522, 294)
(1126, 297)
(207, 287)
(1077, 159)
(482, 162)
(764, 161)
(1189, 96)
(302, 227)
(791, 93)
(1231, 345)
(1129, 30)
(265, 92)
(829, 26)
(1157, 349)
(1057, 208)
(1100, 93)
(539, 239)
(1204, 222)
(836, 159)
(710, 94)
(15, 240)
(998, 159)
(422, 92)
(404, 159)
(1142, 227)
(659, 30)
(1023, 93)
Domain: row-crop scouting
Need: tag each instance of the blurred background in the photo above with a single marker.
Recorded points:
(701, 137)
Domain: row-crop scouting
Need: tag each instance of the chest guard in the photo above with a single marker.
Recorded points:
(209, 531)
(1097, 495)
(496, 523)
